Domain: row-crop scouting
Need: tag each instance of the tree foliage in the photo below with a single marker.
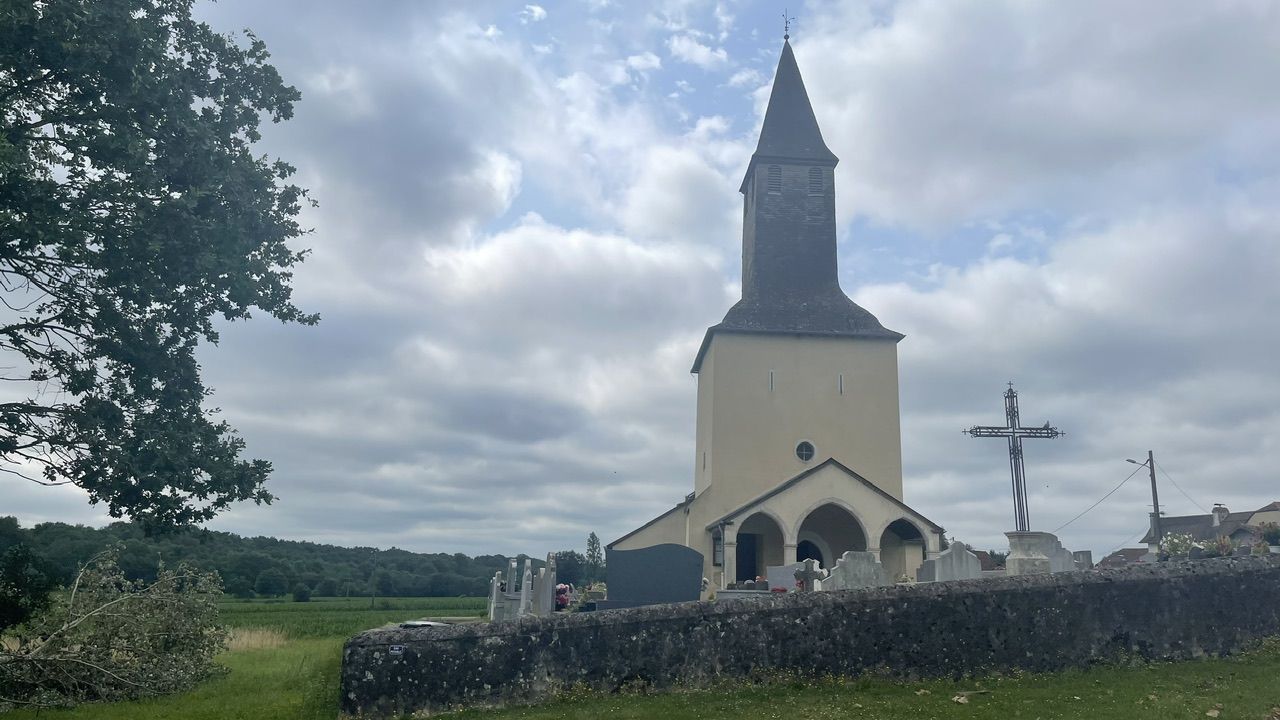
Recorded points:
(110, 638)
(570, 567)
(327, 569)
(25, 584)
(271, 583)
(594, 570)
(133, 214)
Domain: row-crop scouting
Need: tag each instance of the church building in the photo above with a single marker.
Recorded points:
(798, 449)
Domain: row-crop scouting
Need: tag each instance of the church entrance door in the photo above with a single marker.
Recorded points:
(806, 550)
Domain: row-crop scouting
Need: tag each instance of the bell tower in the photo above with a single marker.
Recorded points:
(799, 369)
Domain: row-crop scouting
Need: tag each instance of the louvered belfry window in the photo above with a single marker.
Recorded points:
(773, 182)
(815, 181)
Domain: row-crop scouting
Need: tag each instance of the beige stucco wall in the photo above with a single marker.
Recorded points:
(749, 431)
(1270, 516)
(669, 528)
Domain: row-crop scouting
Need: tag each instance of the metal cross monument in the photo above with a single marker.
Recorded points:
(1015, 434)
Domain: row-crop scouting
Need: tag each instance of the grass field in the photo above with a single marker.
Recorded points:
(284, 659)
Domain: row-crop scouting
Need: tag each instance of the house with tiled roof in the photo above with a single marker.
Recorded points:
(1240, 527)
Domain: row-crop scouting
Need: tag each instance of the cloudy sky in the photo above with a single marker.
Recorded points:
(529, 215)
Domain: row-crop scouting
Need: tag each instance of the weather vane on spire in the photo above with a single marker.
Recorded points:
(786, 25)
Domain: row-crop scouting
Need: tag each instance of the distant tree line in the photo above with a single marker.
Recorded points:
(267, 567)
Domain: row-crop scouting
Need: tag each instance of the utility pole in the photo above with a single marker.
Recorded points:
(1155, 499)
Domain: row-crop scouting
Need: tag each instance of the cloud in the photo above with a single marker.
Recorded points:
(746, 77)
(970, 109)
(644, 61)
(688, 49)
(532, 13)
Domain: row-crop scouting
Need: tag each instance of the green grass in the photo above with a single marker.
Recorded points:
(298, 681)
(341, 617)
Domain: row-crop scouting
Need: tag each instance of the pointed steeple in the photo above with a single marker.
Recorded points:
(790, 128)
(790, 285)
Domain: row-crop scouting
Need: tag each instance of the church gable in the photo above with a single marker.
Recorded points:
(831, 481)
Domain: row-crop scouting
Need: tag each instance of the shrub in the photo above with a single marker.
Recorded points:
(109, 638)
(301, 593)
(1270, 532)
(1177, 544)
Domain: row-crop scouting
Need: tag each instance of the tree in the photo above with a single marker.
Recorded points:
(594, 569)
(271, 583)
(301, 593)
(111, 638)
(570, 566)
(25, 585)
(327, 587)
(132, 214)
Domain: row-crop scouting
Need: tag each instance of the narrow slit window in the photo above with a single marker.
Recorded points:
(840, 383)
(815, 181)
(773, 180)
(770, 381)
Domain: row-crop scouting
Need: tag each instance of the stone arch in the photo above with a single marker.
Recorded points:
(760, 543)
(831, 528)
(903, 546)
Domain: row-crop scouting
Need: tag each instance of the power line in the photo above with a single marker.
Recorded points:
(1126, 542)
(1104, 497)
(1184, 492)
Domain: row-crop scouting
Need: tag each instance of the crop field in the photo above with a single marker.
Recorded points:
(283, 660)
(342, 617)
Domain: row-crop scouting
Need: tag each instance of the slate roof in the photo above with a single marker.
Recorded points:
(1201, 527)
(790, 130)
(1122, 557)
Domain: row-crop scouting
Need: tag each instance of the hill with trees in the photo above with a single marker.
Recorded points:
(264, 566)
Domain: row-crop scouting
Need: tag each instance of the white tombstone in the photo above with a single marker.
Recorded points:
(496, 599)
(526, 589)
(857, 569)
(783, 576)
(954, 563)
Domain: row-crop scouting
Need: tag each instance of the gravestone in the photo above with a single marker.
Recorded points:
(530, 595)
(1084, 559)
(810, 576)
(667, 573)
(1061, 559)
(857, 569)
(783, 576)
(954, 563)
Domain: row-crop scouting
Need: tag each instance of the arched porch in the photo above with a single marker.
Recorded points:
(902, 549)
(759, 545)
(828, 532)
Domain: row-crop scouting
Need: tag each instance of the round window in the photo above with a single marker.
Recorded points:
(804, 451)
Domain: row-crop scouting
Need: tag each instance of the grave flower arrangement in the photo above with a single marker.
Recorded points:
(562, 596)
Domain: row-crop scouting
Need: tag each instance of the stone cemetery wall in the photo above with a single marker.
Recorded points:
(1034, 622)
